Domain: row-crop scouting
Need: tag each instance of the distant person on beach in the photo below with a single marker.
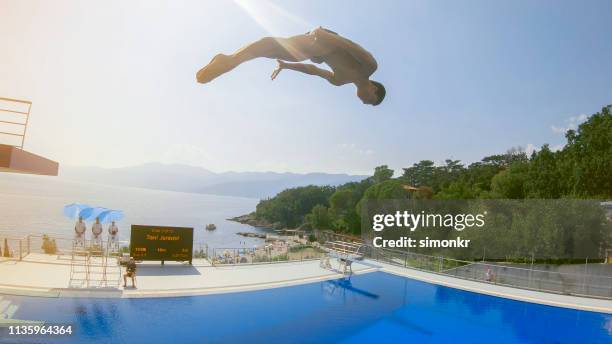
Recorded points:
(96, 229)
(130, 271)
(349, 62)
(112, 234)
(79, 232)
(489, 275)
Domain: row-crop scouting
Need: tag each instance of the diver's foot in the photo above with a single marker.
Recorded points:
(220, 64)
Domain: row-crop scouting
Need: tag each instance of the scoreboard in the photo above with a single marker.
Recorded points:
(161, 243)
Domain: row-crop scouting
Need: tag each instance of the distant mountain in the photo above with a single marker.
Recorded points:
(268, 184)
(185, 178)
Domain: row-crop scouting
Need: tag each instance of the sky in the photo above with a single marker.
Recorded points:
(113, 82)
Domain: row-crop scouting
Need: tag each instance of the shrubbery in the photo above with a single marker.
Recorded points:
(49, 246)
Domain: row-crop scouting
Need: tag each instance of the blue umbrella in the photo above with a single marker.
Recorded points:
(90, 214)
(72, 210)
(110, 215)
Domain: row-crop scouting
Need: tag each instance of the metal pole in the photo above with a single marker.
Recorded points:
(530, 271)
(25, 126)
(586, 262)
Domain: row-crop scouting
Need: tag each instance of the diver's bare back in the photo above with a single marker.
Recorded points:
(346, 67)
(349, 62)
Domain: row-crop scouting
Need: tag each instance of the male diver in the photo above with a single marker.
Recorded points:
(349, 62)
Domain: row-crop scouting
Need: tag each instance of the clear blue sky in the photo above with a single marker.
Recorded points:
(113, 82)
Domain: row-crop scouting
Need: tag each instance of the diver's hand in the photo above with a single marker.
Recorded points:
(279, 68)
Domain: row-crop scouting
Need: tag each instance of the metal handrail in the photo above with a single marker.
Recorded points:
(566, 282)
(11, 122)
(267, 258)
(489, 263)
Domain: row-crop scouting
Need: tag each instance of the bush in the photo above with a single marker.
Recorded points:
(280, 258)
(6, 250)
(48, 245)
(298, 248)
(199, 254)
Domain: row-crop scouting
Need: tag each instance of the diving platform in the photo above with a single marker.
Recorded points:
(16, 160)
(14, 118)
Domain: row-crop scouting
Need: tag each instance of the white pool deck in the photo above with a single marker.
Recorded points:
(48, 276)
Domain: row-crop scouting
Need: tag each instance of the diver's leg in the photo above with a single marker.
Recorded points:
(293, 49)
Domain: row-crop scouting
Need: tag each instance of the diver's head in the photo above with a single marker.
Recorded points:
(371, 92)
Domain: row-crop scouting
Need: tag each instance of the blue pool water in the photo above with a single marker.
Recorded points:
(370, 308)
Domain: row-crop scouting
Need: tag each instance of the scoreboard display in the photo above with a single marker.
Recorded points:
(161, 243)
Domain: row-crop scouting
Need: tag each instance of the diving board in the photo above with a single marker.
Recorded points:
(346, 253)
(13, 159)
(14, 119)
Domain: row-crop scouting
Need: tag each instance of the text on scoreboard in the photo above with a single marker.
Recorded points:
(161, 243)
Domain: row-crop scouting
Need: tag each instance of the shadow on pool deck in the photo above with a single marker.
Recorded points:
(168, 270)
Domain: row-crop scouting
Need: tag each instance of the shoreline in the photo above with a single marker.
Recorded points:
(251, 220)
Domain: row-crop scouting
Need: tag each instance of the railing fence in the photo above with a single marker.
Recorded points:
(569, 283)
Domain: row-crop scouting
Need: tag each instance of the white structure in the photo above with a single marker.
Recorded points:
(96, 229)
(79, 232)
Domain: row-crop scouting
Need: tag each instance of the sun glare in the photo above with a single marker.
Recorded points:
(273, 18)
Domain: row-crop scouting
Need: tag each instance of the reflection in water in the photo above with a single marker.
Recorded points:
(608, 325)
(344, 284)
(96, 318)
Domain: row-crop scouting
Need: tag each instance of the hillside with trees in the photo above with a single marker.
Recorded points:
(582, 169)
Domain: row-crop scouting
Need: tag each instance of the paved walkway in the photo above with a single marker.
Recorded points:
(44, 276)
(49, 276)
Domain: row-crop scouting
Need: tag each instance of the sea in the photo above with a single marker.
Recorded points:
(34, 205)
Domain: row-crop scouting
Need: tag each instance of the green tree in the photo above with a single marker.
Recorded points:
(420, 174)
(390, 189)
(382, 173)
(510, 183)
(544, 178)
(319, 217)
(289, 207)
(588, 156)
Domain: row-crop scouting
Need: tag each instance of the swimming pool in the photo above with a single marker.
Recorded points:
(373, 308)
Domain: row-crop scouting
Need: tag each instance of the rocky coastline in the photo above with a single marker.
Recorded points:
(252, 220)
